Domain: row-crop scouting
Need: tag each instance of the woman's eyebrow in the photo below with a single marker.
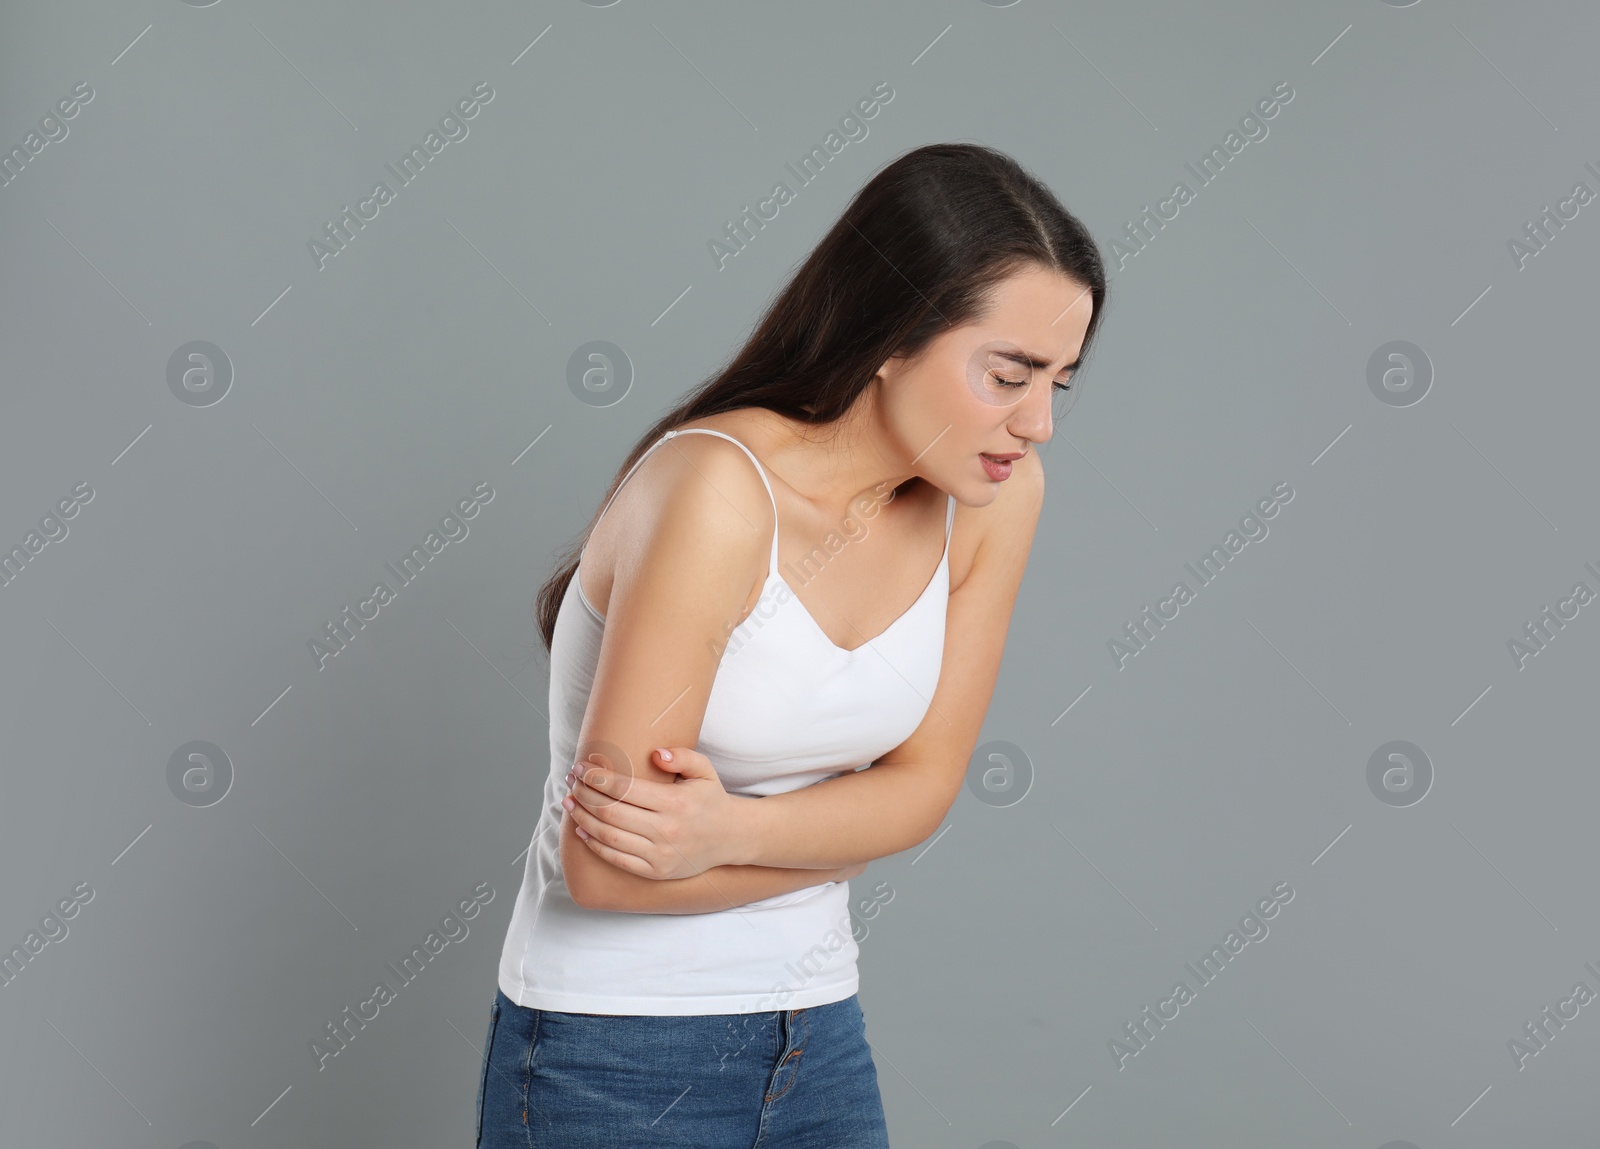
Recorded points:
(1028, 359)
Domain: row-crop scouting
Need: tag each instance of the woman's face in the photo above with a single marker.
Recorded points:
(984, 394)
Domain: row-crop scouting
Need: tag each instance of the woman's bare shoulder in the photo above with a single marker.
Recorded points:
(696, 494)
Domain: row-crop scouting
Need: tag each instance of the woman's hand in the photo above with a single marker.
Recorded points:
(657, 830)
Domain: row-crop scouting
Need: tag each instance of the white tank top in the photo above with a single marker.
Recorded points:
(788, 708)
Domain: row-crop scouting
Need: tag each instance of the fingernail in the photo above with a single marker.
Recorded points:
(582, 834)
(568, 802)
(666, 756)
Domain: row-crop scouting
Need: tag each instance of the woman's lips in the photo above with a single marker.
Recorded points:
(999, 470)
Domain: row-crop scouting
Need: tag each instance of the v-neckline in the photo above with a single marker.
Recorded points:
(772, 563)
(903, 615)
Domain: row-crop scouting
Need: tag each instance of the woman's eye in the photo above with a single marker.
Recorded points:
(1005, 382)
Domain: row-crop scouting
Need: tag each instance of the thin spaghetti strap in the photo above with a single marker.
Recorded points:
(618, 491)
(949, 522)
(772, 564)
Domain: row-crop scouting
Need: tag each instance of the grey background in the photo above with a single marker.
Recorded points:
(369, 397)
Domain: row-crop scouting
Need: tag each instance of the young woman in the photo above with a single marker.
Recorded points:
(679, 967)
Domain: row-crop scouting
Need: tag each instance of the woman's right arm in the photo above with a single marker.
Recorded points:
(696, 538)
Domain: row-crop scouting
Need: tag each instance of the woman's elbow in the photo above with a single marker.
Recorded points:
(578, 891)
(586, 885)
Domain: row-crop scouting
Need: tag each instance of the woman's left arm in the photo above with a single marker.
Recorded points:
(865, 814)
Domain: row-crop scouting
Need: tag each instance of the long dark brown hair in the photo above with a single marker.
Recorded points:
(914, 255)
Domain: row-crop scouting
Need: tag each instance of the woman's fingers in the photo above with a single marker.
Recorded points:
(612, 837)
(615, 812)
(611, 786)
(616, 857)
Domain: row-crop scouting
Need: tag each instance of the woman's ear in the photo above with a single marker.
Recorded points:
(891, 368)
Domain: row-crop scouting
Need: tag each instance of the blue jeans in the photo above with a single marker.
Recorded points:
(788, 1079)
